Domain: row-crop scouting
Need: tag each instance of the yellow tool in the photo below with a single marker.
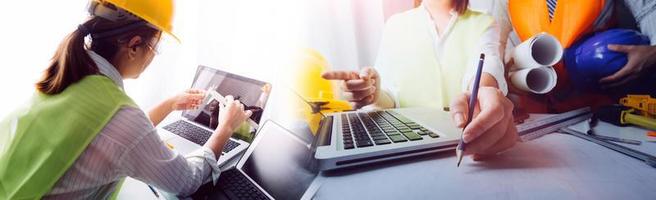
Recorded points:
(642, 111)
(627, 117)
(643, 104)
(314, 90)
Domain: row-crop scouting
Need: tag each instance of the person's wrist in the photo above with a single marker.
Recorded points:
(223, 132)
(218, 139)
(170, 104)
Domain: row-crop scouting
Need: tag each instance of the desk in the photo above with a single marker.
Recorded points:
(555, 166)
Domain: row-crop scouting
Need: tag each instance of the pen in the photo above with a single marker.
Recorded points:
(470, 113)
(154, 191)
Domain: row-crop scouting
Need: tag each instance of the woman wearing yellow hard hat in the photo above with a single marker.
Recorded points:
(81, 135)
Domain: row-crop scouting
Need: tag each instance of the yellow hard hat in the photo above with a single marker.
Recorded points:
(315, 90)
(158, 13)
(311, 85)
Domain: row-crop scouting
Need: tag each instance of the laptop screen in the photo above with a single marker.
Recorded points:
(280, 162)
(252, 93)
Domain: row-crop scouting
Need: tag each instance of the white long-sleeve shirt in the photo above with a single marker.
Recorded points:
(130, 146)
(488, 44)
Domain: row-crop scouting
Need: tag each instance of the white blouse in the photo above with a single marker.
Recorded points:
(489, 44)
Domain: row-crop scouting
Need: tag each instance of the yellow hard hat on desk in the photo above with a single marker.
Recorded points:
(315, 90)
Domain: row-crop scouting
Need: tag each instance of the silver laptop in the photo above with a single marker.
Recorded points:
(361, 137)
(194, 127)
(279, 164)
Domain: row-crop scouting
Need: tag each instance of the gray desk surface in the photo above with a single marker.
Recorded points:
(555, 166)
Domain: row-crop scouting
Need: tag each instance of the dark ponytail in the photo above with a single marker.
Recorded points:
(70, 63)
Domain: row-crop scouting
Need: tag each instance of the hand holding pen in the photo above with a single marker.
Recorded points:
(487, 124)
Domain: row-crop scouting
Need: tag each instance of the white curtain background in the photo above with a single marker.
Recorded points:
(244, 37)
(31, 31)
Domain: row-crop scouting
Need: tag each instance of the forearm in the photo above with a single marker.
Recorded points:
(152, 162)
(487, 80)
(159, 112)
(218, 140)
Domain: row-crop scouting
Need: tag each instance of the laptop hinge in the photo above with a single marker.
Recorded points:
(325, 131)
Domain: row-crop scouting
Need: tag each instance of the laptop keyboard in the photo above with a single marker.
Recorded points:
(237, 186)
(365, 129)
(230, 146)
(196, 134)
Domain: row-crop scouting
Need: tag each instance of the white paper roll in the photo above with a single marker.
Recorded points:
(540, 50)
(538, 80)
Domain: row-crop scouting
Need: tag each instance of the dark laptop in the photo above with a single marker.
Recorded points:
(278, 165)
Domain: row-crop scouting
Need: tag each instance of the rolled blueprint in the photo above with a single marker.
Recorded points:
(538, 51)
(537, 80)
(533, 61)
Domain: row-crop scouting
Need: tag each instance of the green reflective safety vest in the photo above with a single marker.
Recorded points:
(408, 64)
(39, 142)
